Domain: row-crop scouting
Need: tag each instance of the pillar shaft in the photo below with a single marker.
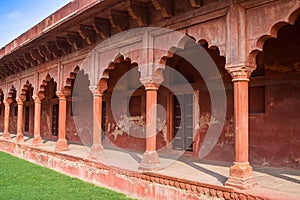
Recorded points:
(20, 136)
(150, 158)
(241, 121)
(97, 119)
(240, 174)
(151, 115)
(37, 140)
(62, 144)
(6, 134)
(97, 148)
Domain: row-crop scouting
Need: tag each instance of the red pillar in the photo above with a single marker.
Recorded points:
(6, 134)
(150, 158)
(62, 143)
(20, 136)
(37, 140)
(97, 148)
(240, 174)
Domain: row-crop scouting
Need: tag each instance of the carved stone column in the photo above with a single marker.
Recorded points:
(6, 134)
(62, 143)
(37, 140)
(97, 148)
(240, 174)
(150, 158)
(20, 136)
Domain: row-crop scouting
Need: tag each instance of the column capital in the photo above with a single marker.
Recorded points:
(20, 100)
(151, 82)
(97, 92)
(240, 71)
(7, 102)
(61, 95)
(151, 86)
(36, 98)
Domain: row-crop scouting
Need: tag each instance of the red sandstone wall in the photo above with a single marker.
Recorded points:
(274, 135)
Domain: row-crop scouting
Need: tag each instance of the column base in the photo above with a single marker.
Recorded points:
(6, 136)
(150, 161)
(62, 145)
(240, 176)
(20, 138)
(37, 141)
(97, 151)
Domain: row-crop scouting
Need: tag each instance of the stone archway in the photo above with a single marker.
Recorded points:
(28, 110)
(274, 98)
(49, 108)
(78, 114)
(118, 128)
(198, 99)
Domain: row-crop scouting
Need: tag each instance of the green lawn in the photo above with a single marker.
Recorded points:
(22, 180)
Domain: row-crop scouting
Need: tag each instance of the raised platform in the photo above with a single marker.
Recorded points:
(184, 178)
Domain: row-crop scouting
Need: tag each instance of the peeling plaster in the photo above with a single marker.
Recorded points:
(126, 125)
(162, 126)
(206, 120)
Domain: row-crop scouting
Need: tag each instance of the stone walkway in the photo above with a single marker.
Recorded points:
(274, 183)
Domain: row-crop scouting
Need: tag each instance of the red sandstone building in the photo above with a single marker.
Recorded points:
(47, 79)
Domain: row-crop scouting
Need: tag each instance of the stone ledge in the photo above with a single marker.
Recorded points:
(147, 185)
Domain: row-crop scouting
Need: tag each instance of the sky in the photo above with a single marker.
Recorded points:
(17, 16)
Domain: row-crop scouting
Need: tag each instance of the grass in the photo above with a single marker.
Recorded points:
(20, 179)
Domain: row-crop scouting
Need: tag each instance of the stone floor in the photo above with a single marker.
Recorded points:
(275, 183)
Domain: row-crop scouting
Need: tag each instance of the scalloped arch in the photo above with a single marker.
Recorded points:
(72, 75)
(103, 80)
(272, 34)
(11, 91)
(183, 44)
(25, 87)
(44, 84)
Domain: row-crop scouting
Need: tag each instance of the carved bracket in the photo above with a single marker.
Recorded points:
(13, 67)
(52, 49)
(28, 59)
(118, 20)
(62, 44)
(36, 56)
(44, 53)
(139, 12)
(195, 3)
(87, 33)
(74, 39)
(102, 27)
(165, 6)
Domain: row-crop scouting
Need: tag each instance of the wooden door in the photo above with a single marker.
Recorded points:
(26, 128)
(55, 119)
(183, 122)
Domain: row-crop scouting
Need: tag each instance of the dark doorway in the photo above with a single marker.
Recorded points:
(55, 120)
(183, 122)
